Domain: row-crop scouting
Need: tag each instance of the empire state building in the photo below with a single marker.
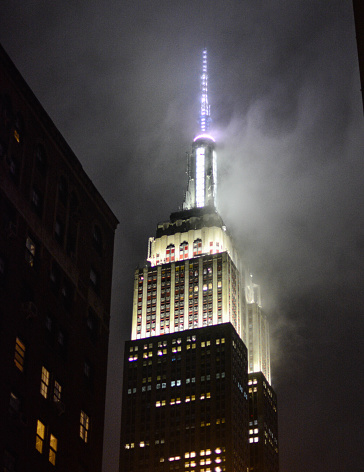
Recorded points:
(196, 387)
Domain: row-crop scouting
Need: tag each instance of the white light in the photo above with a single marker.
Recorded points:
(200, 177)
(204, 136)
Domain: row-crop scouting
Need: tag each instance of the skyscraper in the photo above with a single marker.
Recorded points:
(195, 310)
(56, 254)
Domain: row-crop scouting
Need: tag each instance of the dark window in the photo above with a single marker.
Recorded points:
(95, 280)
(59, 231)
(97, 239)
(63, 190)
(41, 159)
(67, 294)
(62, 342)
(9, 461)
(55, 277)
(14, 168)
(92, 325)
(37, 201)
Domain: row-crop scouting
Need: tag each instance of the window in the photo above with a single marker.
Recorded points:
(97, 239)
(59, 231)
(87, 370)
(170, 253)
(14, 168)
(94, 280)
(37, 201)
(41, 159)
(30, 251)
(9, 461)
(19, 354)
(197, 247)
(44, 382)
(19, 128)
(14, 402)
(39, 440)
(92, 326)
(183, 250)
(53, 444)
(55, 277)
(63, 190)
(84, 426)
(67, 294)
(57, 391)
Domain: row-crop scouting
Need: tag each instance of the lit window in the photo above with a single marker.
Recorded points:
(30, 251)
(53, 443)
(19, 354)
(39, 440)
(84, 426)
(44, 382)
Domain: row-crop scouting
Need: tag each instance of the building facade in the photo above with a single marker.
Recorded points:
(56, 254)
(185, 402)
(194, 285)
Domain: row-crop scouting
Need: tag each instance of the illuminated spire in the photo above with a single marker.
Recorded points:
(201, 166)
(205, 107)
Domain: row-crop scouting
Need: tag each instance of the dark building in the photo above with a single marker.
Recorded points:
(194, 289)
(185, 402)
(263, 425)
(359, 28)
(56, 254)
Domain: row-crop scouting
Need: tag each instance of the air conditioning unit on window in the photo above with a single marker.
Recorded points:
(30, 310)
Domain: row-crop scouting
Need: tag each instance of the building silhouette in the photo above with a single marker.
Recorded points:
(56, 254)
(197, 330)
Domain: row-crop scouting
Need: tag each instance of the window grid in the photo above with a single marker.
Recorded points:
(84, 426)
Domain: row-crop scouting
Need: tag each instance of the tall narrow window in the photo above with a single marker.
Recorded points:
(53, 444)
(57, 391)
(183, 250)
(37, 201)
(41, 159)
(84, 426)
(63, 190)
(197, 247)
(170, 253)
(94, 280)
(44, 382)
(30, 251)
(19, 357)
(39, 440)
(97, 239)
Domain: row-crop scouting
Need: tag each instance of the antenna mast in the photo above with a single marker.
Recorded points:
(205, 107)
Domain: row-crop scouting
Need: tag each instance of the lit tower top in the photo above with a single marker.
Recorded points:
(205, 107)
(201, 166)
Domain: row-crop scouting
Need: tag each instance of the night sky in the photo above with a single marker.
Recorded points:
(120, 79)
